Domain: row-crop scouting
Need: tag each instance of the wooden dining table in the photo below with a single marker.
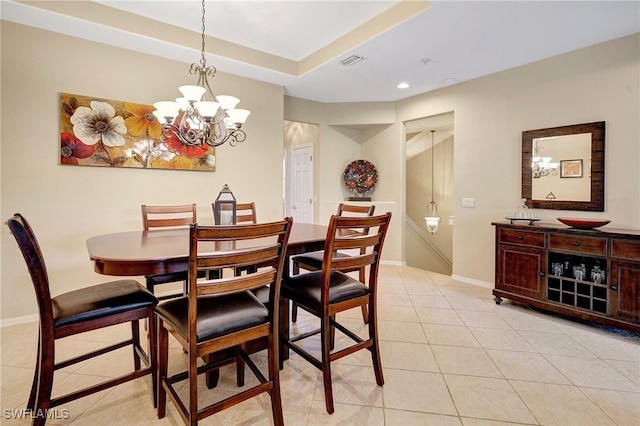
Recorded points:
(161, 251)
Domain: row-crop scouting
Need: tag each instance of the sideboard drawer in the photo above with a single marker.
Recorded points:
(625, 249)
(527, 238)
(590, 245)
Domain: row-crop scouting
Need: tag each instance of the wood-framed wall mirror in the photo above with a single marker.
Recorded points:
(563, 167)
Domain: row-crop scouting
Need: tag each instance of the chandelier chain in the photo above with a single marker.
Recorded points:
(203, 61)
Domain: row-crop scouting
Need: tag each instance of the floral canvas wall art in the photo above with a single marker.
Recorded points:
(108, 133)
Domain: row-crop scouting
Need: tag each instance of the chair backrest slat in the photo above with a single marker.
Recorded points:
(168, 216)
(235, 284)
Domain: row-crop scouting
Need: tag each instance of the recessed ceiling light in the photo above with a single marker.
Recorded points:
(402, 85)
(450, 80)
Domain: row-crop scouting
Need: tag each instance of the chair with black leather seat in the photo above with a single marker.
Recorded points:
(329, 291)
(221, 313)
(79, 311)
(313, 261)
(176, 216)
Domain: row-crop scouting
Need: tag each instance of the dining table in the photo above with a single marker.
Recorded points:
(161, 251)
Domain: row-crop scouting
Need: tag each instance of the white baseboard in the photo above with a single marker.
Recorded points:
(473, 281)
(19, 320)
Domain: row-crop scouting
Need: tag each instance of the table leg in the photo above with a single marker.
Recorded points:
(284, 317)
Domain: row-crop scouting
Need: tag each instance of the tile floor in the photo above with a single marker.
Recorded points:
(451, 356)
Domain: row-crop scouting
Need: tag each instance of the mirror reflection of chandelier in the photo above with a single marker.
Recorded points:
(542, 166)
(199, 117)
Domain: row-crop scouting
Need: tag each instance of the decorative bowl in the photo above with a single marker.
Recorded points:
(583, 223)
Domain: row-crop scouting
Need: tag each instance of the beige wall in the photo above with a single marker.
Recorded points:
(600, 83)
(67, 204)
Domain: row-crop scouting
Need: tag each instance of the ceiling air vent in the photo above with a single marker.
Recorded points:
(351, 60)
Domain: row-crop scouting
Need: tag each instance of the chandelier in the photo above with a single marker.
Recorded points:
(542, 166)
(199, 117)
(432, 218)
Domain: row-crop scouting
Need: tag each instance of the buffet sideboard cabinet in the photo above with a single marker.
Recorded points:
(592, 275)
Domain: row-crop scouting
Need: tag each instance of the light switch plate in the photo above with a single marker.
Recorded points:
(469, 202)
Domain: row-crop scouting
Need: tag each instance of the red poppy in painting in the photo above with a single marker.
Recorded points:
(143, 121)
(177, 146)
(73, 148)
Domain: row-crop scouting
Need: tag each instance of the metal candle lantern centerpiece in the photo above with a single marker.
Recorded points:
(225, 211)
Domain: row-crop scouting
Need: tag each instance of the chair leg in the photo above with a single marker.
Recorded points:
(192, 378)
(31, 404)
(375, 348)
(135, 335)
(274, 376)
(326, 364)
(153, 356)
(295, 270)
(46, 361)
(240, 367)
(163, 360)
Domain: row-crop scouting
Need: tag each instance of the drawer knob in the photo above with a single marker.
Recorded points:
(614, 287)
(541, 274)
(520, 237)
(576, 244)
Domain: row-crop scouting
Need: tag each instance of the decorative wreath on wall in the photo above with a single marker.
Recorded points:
(360, 176)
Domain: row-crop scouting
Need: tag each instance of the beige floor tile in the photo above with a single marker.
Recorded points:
(450, 335)
(473, 292)
(556, 344)
(406, 418)
(629, 369)
(605, 347)
(523, 318)
(560, 405)
(591, 373)
(345, 414)
(467, 421)
(487, 398)
(468, 304)
(526, 366)
(417, 391)
(430, 302)
(483, 320)
(408, 356)
(410, 332)
(511, 340)
(422, 289)
(15, 386)
(397, 313)
(622, 407)
(352, 384)
(439, 316)
(465, 361)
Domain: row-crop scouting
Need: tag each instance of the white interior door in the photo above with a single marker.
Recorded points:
(302, 184)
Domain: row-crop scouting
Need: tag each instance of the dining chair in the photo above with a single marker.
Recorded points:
(221, 313)
(329, 291)
(313, 261)
(176, 216)
(80, 311)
